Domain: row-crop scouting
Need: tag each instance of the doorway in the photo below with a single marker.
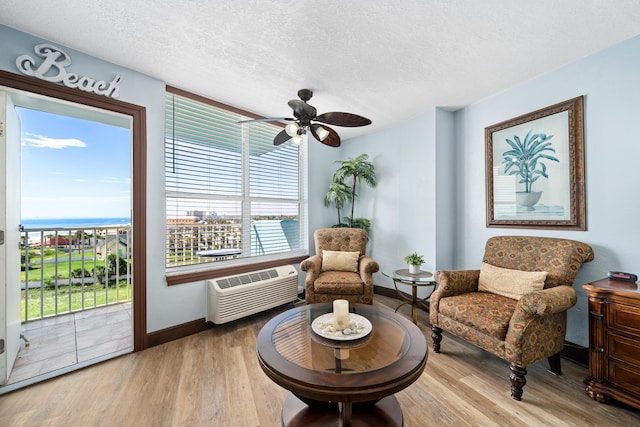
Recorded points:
(43, 96)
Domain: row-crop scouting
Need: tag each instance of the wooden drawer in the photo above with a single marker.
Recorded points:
(614, 341)
(623, 348)
(625, 376)
(623, 317)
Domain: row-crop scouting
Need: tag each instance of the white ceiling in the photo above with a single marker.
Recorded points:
(383, 59)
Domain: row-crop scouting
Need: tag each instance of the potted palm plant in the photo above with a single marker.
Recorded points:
(339, 193)
(354, 170)
(524, 159)
(414, 261)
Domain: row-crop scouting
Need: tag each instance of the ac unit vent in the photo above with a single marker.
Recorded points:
(233, 297)
(245, 279)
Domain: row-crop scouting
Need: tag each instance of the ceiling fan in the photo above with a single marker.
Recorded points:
(304, 114)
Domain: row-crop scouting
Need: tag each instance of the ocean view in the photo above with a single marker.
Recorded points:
(50, 223)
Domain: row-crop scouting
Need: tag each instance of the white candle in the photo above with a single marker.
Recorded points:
(341, 313)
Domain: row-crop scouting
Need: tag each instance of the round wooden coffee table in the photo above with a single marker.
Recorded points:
(341, 382)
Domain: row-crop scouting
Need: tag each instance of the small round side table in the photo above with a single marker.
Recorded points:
(422, 278)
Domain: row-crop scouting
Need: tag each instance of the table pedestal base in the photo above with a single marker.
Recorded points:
(385, 412)
(414, 301)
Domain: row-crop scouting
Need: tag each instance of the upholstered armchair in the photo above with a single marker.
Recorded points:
(340, 269)
(516, 305)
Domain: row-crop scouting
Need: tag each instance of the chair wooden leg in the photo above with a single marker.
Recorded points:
(518, 381)
(436, 336)
(554, 364)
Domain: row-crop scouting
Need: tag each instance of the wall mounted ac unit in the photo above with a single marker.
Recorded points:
(232, 297)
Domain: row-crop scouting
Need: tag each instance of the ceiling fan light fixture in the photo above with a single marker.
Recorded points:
(322, 133)
(305, 116)
(292, 129)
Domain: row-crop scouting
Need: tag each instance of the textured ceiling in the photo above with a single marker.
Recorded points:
(383, 59)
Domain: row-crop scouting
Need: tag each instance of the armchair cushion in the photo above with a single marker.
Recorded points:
(338, 283)
(510, 283)
(340, 261)
(487, 313)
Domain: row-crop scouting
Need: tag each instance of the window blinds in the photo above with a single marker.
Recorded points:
(230, 193)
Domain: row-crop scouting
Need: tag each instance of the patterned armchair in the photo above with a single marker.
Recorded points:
(520, 331)
(324, 283)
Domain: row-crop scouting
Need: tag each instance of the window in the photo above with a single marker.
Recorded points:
(230, 193)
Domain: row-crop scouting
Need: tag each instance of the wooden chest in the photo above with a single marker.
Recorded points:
(614, 342)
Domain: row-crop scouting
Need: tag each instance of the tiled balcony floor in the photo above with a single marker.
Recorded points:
(62, 341)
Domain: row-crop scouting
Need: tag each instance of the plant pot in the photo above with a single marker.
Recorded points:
(526, 201)
(414, 269)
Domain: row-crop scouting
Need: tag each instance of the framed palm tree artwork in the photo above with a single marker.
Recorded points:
(535, 169)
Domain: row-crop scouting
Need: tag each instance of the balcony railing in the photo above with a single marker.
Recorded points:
(66, 270)
(197, 243)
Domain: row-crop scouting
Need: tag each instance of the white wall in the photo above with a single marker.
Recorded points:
(610, 82)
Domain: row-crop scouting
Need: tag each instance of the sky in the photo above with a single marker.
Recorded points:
(73, 168)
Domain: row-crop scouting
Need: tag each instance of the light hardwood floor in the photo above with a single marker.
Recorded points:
(213, 379)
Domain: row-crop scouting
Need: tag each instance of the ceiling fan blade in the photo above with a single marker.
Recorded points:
(310, 111)
(343, 119)
(332, 140)
(281, 137)
(267, 119)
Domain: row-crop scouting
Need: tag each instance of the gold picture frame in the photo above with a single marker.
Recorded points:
(535, 169)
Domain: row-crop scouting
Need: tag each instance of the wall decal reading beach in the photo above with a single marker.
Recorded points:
(54, 69)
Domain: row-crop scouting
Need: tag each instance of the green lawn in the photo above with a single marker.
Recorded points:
(65, 304)
(47, 271)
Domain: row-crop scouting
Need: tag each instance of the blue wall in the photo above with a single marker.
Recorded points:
(431, 196)
(187, 302)
(431, 192)
(413, 206)
(610, 83)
